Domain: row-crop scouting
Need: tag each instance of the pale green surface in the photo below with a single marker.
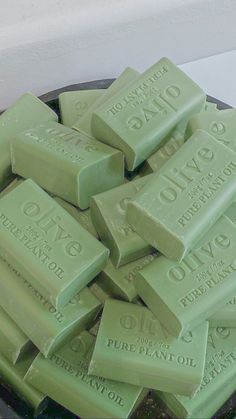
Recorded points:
(132, 347)
(47, 327)
(226, 316)
(66, 163)
(120, 283)
(84, 124)
(27, 112)
(73, 105)
(13, 376)
(64, 378)
(137, 119)
(184, 294)
(46, 245)
(182, 201)
(219, 379)
(108, 212)
(14, 344)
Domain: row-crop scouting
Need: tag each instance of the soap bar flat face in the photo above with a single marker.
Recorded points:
(139, 117)
(108, 212)
(121, 282)
(13, 377)
(47, 327)
(25, 113)
(226, 316)
(14, 344)
(132, 347)
(46, 245)
(231, 212)
(219, 379)
(84, 123)
(86, 396)
(73, 105)
(220, 124)
(184, 294)
(188, 195)
(69, 163)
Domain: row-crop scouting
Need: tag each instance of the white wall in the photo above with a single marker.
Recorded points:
(45, 44)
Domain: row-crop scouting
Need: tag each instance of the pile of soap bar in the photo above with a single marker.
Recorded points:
(118, 248)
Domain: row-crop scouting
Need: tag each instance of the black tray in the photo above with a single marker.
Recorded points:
(13, 407)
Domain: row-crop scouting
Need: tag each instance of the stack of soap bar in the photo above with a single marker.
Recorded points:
(108, 212)
(86, 396)
(27, 112)
(184, 294)
(186, 197)
(132, 347)
(84, 124)
(14, 344)
(46, 245)
(139, 116)
(218, 383)
(73, 105)
(68, 162)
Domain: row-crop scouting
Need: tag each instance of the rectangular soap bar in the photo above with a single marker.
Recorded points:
(65, 163)
(13, 377)
(47, 327)
(27, 112)
(46, 245)
(14, 344)
(121, 282)
(84, 123)
(184, 294)
(86, 396)
(108, 212)
(226, 316)
(132, 347)
(218, 383)
(137, 119)
(73, 105)
(187, 196)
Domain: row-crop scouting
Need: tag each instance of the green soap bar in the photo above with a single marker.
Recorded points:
(25, 113)
(46, 245)
(108, 212)
(14, 344)
(120, 283)
(99, 292)
(220, 124)
(65, 163)
(184, 294)
(13, 377)
(84, 124)
(231, 212)
(226, 317)
(46, 327)
(12, 185)
(73, 105)
(187, 196)
(132, 347)
(218, 383)
(137, 119)
(86, 396)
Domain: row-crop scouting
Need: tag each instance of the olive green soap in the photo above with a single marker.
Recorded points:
(184, 294)
(187, 196)
(132, 347)
(218, 383)
(47, 327)
(14, 344)
(137, 119)
(86, 396)
(13, 377)
(108, 212)
(25, 113)
(226, 316)
(84, 123)
(231, 212)
(73, 105)
(66, 163)
(121, 282)
(46, 245)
